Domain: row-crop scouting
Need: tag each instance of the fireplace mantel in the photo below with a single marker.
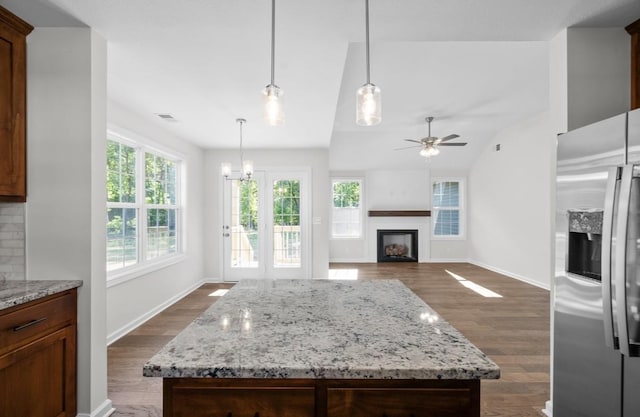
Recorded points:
(399, 213)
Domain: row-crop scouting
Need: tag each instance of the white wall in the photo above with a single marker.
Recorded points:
(131, 302)
(66, 110)
(396, 190)
(598, 68)
(509, 202)
(315, 159)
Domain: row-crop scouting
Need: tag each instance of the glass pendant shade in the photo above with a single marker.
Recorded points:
(225, 169)
(368, 105)
(273, 105)
(247, 168)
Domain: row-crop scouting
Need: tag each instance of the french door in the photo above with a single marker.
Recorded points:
(265, 226)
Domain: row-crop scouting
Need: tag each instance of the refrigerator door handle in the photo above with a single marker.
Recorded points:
(621, 258)
(607, 229)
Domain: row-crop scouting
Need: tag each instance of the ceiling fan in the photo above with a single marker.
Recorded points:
(430, 144)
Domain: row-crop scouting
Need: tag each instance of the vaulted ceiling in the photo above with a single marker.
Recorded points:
(477, 66)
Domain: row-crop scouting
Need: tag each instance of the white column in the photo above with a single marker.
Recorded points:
(66, 84)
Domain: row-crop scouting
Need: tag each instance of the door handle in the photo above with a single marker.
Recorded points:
(610, 336)
(225, 234)
(621, 258)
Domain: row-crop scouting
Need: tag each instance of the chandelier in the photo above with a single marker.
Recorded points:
(246, 167)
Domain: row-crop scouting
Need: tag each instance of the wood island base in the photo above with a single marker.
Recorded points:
(249, 397)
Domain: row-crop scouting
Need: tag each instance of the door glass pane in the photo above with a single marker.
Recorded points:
(244, 224)
(286, 223)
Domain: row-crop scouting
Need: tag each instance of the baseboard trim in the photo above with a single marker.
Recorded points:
(212, 280)
(445, 261)
(104, 410)
(510, 274)
(548, 409)
(350, 261)
(111, 338)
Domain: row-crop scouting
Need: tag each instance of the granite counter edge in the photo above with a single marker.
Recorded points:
(15, 293)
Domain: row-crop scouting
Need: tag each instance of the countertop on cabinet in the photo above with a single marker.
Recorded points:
(321, 329)
(13, 293)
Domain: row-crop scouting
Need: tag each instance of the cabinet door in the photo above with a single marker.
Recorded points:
(38, 380)
(195, 399)
(12, 111)
(402, 402)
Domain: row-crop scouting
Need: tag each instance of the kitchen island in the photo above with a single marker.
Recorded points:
(316, 348)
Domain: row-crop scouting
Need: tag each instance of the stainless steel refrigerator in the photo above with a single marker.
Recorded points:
(596, 368)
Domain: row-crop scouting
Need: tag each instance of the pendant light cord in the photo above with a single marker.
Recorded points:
(273, 38)
(367, 40)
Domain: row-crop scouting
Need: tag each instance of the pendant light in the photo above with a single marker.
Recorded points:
(246, 167)
(273, 95)
(368, 101)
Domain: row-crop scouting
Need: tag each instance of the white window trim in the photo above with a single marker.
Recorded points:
(144, 266)
(362, 219)
(461, 208)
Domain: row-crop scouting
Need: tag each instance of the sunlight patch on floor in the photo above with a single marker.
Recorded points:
(347, 274)
(219, 293)
(485, 292)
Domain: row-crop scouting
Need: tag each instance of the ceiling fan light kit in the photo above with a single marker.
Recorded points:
(273, 95)
(368, 99)
(431, 144)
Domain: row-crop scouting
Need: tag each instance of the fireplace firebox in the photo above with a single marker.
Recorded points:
(397, 246)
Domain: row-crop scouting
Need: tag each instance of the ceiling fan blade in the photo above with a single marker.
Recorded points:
(413, 140)
(446, 138)
(453, 144)
(408, 147)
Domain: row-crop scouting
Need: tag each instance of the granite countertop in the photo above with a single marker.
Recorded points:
(321, 329)
(13, 293)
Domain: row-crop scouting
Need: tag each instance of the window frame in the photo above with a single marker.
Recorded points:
(461, 208)
(359, 180)
(143, 266)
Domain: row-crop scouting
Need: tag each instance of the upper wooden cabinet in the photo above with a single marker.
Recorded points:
(634, 31)
(13, 91)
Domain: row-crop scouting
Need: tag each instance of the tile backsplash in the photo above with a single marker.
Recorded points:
(12, 241)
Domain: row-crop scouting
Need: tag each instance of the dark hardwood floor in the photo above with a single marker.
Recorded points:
(512, 329)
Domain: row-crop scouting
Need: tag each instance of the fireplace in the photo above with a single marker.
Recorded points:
(397, 245)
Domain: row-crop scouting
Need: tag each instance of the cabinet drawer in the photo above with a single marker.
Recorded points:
(36, 319)
(400, 402)
(242, 402)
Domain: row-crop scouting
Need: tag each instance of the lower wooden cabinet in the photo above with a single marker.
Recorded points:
(380, 402)
(38, 358)
(191, 400)
(212, 397)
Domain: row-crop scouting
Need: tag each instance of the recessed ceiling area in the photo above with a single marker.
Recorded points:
(478, 67)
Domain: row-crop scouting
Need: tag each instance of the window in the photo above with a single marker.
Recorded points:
(142, 205)
(447, 208)
(346, 216)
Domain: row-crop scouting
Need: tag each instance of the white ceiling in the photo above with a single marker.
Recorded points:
(477, 66)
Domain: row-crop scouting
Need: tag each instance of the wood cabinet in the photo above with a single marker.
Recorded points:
(13, 151)
(38, 358)
(221, 397)
(634, 30)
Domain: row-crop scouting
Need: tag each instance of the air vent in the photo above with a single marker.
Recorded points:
(166, 116)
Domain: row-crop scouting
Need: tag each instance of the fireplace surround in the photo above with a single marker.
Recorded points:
(398, 245)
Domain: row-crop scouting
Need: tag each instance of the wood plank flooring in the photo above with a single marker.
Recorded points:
(513, 330)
